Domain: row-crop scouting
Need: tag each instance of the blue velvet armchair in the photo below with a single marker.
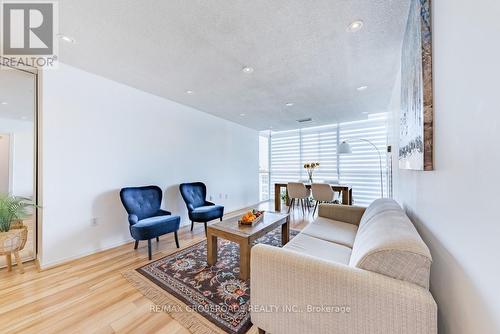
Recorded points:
(146, 218)
(199, 209)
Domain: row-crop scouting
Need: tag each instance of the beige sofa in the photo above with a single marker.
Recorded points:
(350, 271)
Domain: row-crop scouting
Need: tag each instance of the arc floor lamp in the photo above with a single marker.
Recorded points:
(345, 148)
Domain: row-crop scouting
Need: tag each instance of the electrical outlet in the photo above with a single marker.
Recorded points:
(94, 222)
(225, 196)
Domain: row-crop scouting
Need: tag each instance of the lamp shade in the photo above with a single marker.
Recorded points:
(345, 148)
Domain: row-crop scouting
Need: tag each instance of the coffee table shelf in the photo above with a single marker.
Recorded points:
(245, 235)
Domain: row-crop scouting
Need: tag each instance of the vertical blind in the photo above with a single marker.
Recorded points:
(361, 168)
(290, 150)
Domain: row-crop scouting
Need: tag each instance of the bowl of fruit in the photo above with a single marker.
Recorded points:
(251, 217)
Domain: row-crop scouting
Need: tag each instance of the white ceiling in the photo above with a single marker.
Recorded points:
(300, 50)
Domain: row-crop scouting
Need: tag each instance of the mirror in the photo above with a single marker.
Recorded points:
(17, 144)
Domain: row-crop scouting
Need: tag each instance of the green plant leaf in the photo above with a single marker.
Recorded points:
(11, 208)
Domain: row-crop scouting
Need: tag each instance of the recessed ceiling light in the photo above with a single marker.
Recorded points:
(355, 26)
(362, 88)
(365, 112)
(247, 69)
(289, 104)
(66, 38)
(4, 103)
(189, 92)
(24, 117)
(305, 120)
(242, 115)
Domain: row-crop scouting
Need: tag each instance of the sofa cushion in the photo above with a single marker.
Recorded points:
(332, 230)
(322, 249)
(387, 243)
(343, 213)
(379, 206)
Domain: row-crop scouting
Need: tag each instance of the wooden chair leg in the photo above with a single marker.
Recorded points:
(291, 205)
(315, 207)
(192, 224)
(136, 244)
(9, 261)
(157, 239)
(176, 239)
(149, 250)
(19, 262)
(220, 219)
(206, 234)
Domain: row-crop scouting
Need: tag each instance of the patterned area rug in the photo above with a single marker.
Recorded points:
(183, 285)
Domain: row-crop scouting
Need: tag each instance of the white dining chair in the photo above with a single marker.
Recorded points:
(297, 192)
(322, 193)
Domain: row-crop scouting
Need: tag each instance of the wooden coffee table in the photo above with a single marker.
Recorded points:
(244, 235)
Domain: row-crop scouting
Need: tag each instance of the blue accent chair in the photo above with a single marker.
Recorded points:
(147, 220)
(199, 209)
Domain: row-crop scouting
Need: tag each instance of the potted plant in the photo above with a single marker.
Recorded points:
(13, 234)
(284, 197)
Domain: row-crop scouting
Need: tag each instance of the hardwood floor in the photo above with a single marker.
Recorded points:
(89, 295)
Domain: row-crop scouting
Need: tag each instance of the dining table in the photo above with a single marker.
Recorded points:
(344, 190)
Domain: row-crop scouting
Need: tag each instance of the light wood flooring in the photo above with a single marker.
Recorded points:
(89, 295)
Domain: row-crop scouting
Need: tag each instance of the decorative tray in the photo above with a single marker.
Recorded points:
(251, 218)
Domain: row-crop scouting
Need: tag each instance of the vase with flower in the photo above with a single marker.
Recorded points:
(310, 167)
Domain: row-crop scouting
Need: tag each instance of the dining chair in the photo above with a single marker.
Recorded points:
(322, 193)
(297, 191)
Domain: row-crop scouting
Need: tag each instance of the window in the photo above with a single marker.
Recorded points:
(264, 167)
(361, 169)
(290, 150)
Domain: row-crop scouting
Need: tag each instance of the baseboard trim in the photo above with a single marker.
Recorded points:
(46, 266)
(54, 264)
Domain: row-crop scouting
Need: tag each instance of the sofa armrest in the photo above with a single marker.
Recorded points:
(296, 293)
(344, 213)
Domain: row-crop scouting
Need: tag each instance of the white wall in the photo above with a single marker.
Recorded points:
(4, 163)
(455, 207)
(20, 178)
(100, 136)
(23, 163)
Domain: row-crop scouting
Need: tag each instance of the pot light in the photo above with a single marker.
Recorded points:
(189, 92)
(247, 69)
(3, 103)
(289, 104)
(24, 118)
(242, 115)
(362, 88)
(67, 39)
(355, 26)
